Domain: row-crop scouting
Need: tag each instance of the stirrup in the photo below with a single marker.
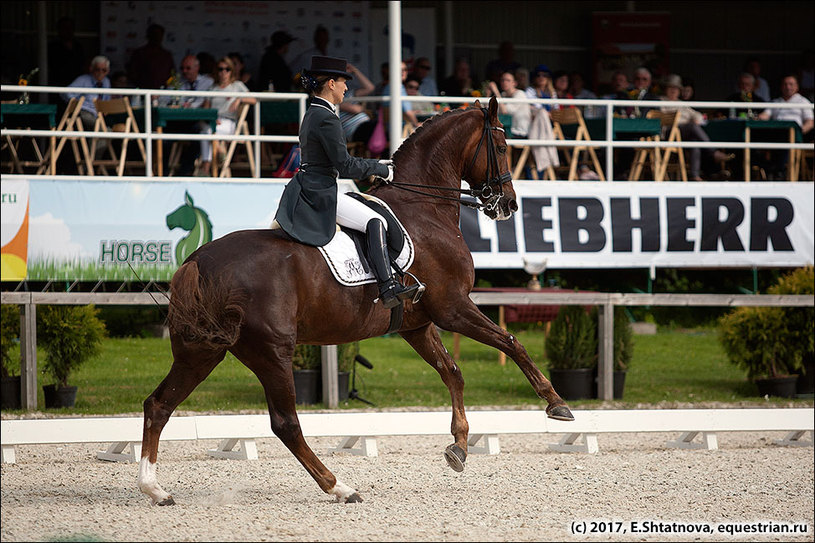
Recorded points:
(420, 290)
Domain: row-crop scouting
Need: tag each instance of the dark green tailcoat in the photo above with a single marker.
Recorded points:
(308, 207)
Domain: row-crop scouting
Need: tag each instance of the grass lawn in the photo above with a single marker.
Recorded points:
(672, 366)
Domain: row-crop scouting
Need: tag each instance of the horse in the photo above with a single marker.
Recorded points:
(258, 293)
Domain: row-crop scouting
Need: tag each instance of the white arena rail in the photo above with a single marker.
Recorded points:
(485, 427)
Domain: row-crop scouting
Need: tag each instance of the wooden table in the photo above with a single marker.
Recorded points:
(30, 116)
(742, 129)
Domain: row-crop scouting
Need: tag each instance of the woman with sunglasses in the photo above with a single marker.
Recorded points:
(228, 107)
(310, 207)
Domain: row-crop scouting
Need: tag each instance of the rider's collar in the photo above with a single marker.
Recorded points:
(322, 102)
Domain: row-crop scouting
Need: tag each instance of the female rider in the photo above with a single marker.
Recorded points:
(310, 206)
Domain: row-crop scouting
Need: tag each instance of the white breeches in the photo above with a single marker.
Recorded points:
(353, 214)
(224, 126)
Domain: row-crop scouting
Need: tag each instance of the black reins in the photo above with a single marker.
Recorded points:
(493, 176)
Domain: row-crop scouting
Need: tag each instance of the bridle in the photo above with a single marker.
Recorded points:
(491, 190)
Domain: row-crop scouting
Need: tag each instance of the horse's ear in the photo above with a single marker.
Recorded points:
(477, 104)
(493, 110)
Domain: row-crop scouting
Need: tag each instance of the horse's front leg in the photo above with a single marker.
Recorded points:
(468, 320)
(428, 344)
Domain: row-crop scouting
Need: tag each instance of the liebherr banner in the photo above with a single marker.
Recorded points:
(77, 229)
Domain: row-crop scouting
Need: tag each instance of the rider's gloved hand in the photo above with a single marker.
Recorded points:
(389, 164)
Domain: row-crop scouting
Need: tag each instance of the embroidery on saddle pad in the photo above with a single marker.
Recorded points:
(343, 258)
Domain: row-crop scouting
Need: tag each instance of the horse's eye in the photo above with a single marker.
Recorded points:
(502, 149)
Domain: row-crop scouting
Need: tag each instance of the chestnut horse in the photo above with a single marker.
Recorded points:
(258, 293)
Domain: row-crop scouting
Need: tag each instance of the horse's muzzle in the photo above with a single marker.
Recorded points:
(501, 208)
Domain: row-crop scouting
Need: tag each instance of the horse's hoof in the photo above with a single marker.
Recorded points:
(167, 501)
(353, 498)
(455, 457)
(561, 412)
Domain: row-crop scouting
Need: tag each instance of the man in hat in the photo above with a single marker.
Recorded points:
(274, 73)
(311, 206)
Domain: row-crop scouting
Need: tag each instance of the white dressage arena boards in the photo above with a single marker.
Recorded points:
(124, 434)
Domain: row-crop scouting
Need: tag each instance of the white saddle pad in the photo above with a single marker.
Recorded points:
(344, 262)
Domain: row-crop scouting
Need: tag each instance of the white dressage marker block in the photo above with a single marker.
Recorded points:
(226, 449)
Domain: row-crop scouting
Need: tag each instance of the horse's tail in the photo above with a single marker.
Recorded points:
(203, 312)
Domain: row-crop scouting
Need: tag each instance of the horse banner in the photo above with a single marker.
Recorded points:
(648, 225)
(90, 230)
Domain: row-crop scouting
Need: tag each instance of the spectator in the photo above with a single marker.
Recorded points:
(504, 63)
(806, 75)
(66, 57)
(521, 112)
(753, 66)
(522, 78)
(384, 76)
(97, 77)
(321, 39)
(242, 74)
(690, 128)
(408, 115)
(151, 65)
(228, 107)
(541, 86)
(746, 93)
(357, 124)
(191, 79)
(275, 75)
(642, 90)
(688, 89)
(413, 87)
(119, 80)
(579, 91)
(206, 62)
(560, 83)
(422, 71)
(620, 89)
(460, 83)
(803, 116)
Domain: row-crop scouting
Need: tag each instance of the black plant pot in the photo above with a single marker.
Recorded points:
(58, 397)
(573, 384)
(806, 376)
(342, 385)
(782, 387)
(10, 393)
(618, 385)
(308, 386)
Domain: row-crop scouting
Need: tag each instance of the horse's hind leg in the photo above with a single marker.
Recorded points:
(189, 369)
(428, 344)
(278, 384)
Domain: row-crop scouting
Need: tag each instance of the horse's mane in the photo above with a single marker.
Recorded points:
(411, 142)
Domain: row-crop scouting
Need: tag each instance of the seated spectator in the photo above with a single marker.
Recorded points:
(228, 107)
(522, 78)
(460, 83)
(408, 115)
(413, 88)
(560, 83)
(690, 127)
(746, 93)
(521, 113)
(357, 123)
(421, 71)
(119, 80)
(642, 91)
(97, 77)
(620, 87)
(688, 89)
(577, 89)
(803, 116)
(242, 73)
(504, 63)
(541, 86)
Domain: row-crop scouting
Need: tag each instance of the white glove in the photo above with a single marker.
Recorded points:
(389, 178)
(386, 162)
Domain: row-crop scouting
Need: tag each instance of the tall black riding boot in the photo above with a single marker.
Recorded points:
(391, 291)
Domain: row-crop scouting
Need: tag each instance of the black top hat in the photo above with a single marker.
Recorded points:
(328, 66)
(280, 38)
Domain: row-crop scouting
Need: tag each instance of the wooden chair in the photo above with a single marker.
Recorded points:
(241, 127)
(650, 157)
(70, 122)
(119, 114)
(806, 171)
(670, 124)
(573, 116)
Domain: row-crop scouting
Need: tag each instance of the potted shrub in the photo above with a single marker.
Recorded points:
(801, 324)
(70, 335)
(9, 333)
(758, 340)
(307, 370)
(571, 351)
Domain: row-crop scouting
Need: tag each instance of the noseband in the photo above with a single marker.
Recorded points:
(491, 190)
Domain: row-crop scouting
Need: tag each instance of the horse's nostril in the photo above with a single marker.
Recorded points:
(513, 206)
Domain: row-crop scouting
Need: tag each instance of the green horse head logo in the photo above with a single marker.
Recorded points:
(195, 221)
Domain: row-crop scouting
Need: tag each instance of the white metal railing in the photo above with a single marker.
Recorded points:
(150, 95)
